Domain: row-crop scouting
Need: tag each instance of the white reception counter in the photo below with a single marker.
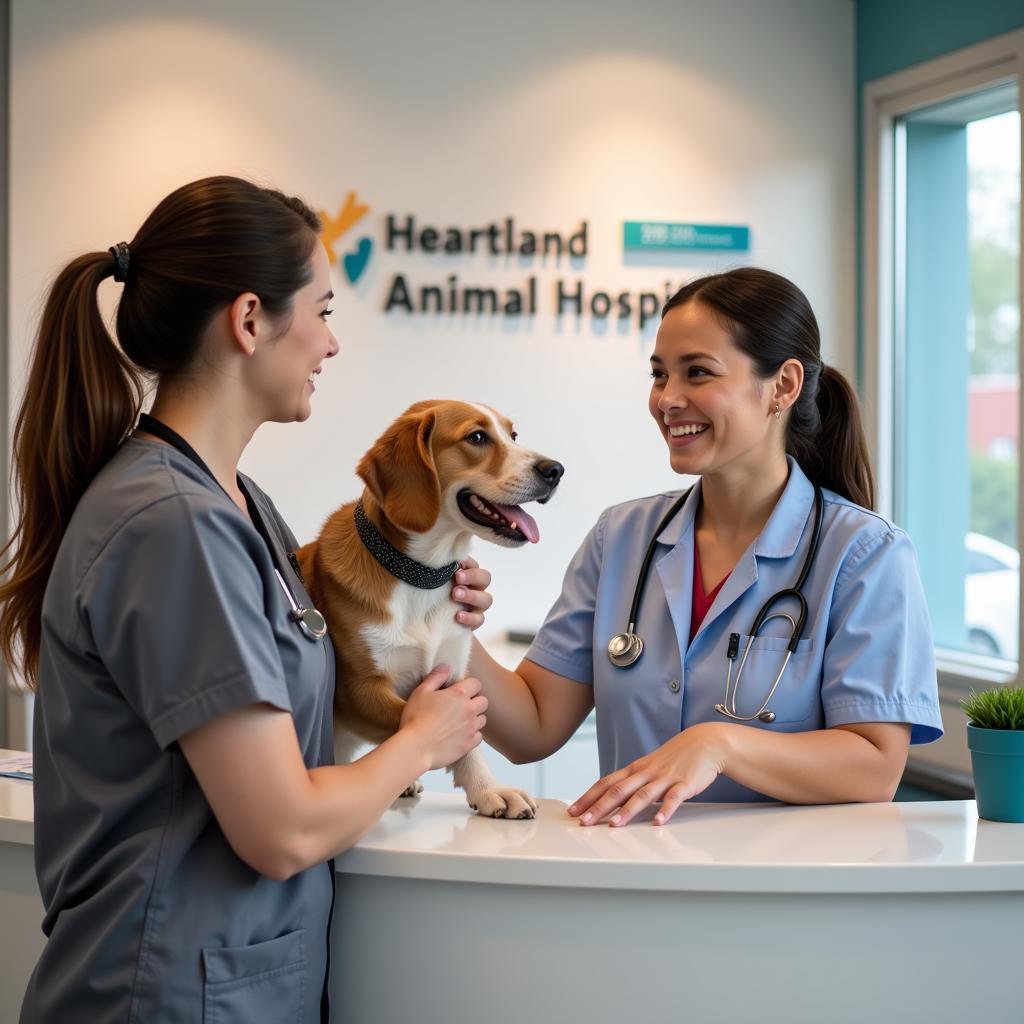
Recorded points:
(909, 912)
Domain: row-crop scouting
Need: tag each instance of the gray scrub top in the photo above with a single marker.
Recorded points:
(162, 612)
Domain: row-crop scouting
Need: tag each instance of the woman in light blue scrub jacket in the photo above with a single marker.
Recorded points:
(186, 804)
(742, 400)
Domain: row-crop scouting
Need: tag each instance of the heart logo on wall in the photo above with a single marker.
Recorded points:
(334, 226)
(355, 262)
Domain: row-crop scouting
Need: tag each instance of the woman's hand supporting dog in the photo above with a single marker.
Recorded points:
(450, 719)
(281, 817)
(539, 711)
(470, 590)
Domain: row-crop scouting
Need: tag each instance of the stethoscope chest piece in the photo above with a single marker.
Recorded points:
(624, 649)
(310, 621)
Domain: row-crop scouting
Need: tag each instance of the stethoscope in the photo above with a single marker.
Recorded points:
(310, 622)
(624, 649)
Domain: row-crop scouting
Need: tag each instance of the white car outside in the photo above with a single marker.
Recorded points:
(992, 596)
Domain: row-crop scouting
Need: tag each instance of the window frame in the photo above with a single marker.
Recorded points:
(885, 101)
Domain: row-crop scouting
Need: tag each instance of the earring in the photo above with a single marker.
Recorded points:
(778, 410)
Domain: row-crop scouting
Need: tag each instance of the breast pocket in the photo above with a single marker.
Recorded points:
(265, 982)
(797, 698)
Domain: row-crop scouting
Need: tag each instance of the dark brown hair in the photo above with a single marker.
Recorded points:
(770, 320)
(202, 246)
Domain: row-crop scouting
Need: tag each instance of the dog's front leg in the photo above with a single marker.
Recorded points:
(485, 793)
(373, 712)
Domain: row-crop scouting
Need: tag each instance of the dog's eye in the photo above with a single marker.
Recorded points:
(515, 436)
(478, 437)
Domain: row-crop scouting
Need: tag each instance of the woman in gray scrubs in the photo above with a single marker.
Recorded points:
(186, 805)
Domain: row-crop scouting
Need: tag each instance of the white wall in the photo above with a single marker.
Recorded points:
(459, 112)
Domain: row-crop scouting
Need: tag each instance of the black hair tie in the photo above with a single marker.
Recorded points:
(121, 256)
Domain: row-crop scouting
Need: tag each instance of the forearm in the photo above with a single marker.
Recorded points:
(823, 766)
(513, 717)
(342, 802)
(532, 711)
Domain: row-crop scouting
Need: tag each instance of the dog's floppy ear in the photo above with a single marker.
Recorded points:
(399, 472)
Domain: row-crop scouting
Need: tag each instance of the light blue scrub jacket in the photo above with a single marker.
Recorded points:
(866, 653)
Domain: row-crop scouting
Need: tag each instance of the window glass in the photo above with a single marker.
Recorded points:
(958, 461)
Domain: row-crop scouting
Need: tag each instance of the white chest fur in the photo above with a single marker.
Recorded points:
(421, 632)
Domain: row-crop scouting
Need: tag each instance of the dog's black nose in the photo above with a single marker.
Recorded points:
(550, 470)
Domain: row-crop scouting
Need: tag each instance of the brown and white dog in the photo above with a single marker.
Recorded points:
(441, 474)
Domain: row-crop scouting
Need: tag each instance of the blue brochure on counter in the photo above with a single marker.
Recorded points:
(19, 767)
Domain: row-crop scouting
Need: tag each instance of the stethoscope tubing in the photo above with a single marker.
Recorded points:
(638, 593)
(311, 623)
(728, 708)
(625, 649)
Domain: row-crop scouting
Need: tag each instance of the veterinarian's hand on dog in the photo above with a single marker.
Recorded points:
(449, 720)
(677, 770)
(469, 588)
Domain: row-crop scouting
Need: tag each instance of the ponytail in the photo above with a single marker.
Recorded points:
(834, 455)
(82, 398)
(770, 320)
(203, 245)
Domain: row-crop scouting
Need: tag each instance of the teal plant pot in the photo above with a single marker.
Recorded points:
(997, 756)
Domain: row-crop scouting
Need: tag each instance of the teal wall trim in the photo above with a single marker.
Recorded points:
(896, 34)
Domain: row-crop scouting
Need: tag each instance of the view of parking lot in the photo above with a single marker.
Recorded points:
(992, 582)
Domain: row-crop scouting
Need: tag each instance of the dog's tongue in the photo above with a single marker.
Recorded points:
(523, 521)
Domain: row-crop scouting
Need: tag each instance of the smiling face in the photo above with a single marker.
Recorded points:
(714, 413)
(287, 365)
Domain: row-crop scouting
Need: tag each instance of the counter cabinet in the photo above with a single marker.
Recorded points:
(904, 912)
(871, 912)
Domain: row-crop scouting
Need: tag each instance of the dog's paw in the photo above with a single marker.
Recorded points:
(505, 803)
(414, 790)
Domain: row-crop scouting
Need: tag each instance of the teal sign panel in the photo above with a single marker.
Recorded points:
(649, 234)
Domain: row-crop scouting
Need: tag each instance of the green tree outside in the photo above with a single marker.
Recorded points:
(995, 331)
(994, 498)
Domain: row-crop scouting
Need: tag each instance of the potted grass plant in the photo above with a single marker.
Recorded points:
(995, 737)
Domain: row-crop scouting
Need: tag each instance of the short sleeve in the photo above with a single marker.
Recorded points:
(175, 607)
(565, 642)
(879, 663)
